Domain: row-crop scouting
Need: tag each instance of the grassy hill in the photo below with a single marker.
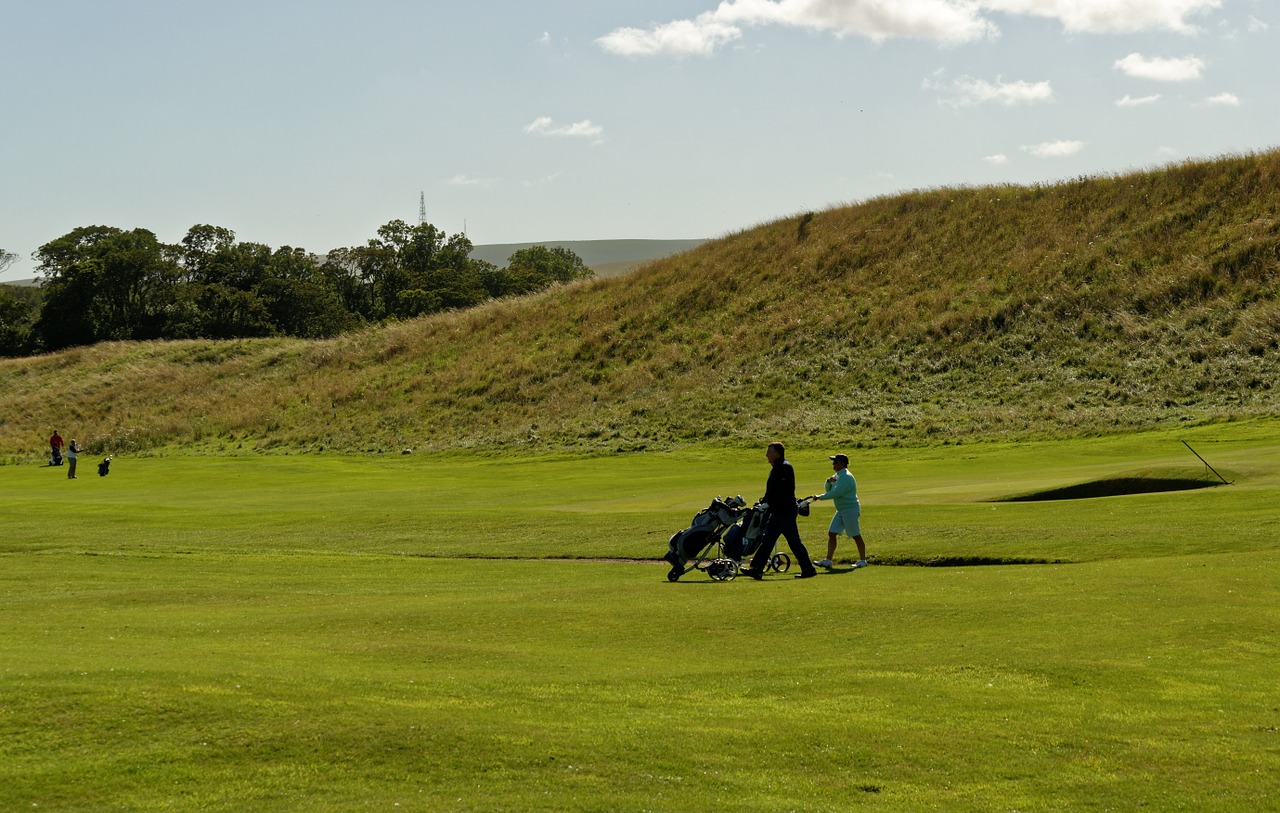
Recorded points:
(945, 315)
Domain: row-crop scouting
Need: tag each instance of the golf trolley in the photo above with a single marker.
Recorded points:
(732, 530)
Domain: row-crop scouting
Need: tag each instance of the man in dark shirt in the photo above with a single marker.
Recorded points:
(780, 495)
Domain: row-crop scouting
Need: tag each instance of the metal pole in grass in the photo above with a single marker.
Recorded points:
(1206, 464)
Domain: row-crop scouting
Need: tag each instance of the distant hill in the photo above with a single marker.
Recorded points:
(1103, 304)
(605, 257)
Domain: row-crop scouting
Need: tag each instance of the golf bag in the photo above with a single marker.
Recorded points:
(743, 538)
(104, 468)
(695, 542)
(56, 459)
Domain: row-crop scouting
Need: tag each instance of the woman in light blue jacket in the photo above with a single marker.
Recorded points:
(842, 490)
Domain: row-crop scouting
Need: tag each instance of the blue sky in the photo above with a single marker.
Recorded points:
(312, 123)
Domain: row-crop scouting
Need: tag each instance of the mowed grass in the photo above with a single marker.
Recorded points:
(307, 633)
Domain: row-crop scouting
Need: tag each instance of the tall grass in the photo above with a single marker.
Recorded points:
(1100, 304)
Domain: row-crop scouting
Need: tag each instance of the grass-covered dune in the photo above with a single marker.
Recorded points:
(1102, 304)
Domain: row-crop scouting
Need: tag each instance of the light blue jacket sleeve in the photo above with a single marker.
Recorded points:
(844, 491)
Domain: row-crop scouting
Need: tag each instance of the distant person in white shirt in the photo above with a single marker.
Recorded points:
(73, 451)
(842, 490)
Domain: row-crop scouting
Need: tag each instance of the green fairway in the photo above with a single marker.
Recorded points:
(339, 633)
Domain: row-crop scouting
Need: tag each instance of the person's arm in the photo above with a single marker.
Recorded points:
(775, 488)
(832, 486)
(844, 487)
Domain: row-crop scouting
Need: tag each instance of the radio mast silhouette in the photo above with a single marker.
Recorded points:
(422, 208)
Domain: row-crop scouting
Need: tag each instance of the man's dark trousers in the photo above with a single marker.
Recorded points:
(781, 525)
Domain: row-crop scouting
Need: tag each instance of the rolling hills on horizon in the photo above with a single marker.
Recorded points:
(948, 315)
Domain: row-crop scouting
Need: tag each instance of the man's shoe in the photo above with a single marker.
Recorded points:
(823, 563)
(860, 563)
(808, 575)
(752, 573)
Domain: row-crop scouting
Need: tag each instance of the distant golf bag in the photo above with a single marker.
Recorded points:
(104, 468)
(694, 543)
(56, 459)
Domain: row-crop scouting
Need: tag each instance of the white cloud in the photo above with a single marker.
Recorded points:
(1054, 149)
(945, 21)
(700, 37)
(546, 179)
(877, 20)
(1111, 16)
(1224, 99)
(463, 180)
(1256, 26)
(968, 91)
(539, 125)
(1129, 101)
(545, 39)
(997, 160)
(1166, 152)
(1161, 69)
(546, 126)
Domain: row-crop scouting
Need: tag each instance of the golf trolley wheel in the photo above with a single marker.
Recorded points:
(723, 570)
(674, 575)
(780, 563)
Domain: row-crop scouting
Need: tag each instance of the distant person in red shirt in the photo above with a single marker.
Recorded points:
(55, 446)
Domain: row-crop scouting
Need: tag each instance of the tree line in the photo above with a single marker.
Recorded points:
(102, 283)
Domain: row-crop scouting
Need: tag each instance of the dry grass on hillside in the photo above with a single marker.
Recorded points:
(950, 314)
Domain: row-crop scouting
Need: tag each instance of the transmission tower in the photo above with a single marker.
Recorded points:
(422, 208)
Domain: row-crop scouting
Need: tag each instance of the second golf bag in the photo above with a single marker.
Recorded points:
(743, 538)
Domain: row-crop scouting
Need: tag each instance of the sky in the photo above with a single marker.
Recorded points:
(310, 123)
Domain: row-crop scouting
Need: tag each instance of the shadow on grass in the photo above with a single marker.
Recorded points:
(1114, 487)
(877, 561)
(918, 561)
(961, 561)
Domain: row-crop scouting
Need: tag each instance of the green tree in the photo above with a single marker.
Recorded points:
(102, 283)
(210, 255)
(224, 312)
(341, 268)
(203, 249)
(6, 259)
(247, 289)
(412, 270)
(300, 298)
(15, 323)
(537, 267)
